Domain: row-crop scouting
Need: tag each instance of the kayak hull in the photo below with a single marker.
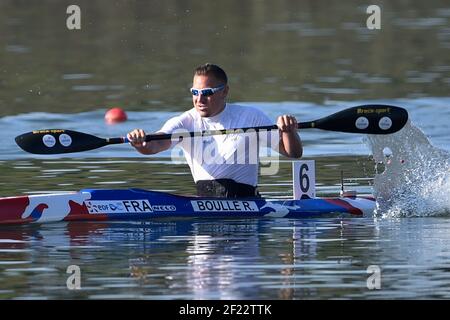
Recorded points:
(136, 204)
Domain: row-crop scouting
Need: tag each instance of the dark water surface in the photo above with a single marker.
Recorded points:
(306, 58)
(140, 54)
(234, 259)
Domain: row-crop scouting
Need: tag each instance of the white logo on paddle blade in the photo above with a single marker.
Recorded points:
(49, 140)
(65, 140)
(362, 123)
(385, 123)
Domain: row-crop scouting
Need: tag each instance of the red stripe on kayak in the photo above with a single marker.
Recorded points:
(12, 209)
(342, 203)
(80, 212)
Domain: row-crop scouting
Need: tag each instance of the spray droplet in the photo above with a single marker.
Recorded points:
(387, 152)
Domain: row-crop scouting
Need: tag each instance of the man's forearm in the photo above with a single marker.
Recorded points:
(153, 147)
(291, 144)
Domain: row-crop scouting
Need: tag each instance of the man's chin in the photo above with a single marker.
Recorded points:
(203, 112)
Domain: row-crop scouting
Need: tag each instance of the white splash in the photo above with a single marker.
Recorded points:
(416, 179)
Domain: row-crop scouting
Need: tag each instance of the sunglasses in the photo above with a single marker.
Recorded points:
(207, 91)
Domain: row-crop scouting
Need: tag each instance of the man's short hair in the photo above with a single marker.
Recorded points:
(208, 69)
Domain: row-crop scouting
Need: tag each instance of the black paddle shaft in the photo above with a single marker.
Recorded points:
(366, 119)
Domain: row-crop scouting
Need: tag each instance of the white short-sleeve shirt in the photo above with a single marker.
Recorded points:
(230, 156)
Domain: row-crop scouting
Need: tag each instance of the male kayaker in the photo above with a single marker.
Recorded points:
(222, 177)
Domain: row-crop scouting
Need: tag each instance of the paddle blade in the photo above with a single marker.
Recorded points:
(55, 141)
(369, 119)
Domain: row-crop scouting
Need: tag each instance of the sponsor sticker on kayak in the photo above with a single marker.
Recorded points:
(125, 206)
(224, 206)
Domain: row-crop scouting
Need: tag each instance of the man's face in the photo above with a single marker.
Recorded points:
(208, 106)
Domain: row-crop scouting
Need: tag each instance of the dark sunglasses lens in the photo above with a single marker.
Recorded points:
(207, 92)
(194, 92)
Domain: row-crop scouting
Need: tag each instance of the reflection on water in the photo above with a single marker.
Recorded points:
(161, 174)
(229, 259)
(318, 57)
(220, 259)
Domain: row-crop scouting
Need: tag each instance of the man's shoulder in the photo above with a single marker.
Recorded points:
(245, 109)
(249, 113)
(183, 120)
(246, 115)
(188, 114)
